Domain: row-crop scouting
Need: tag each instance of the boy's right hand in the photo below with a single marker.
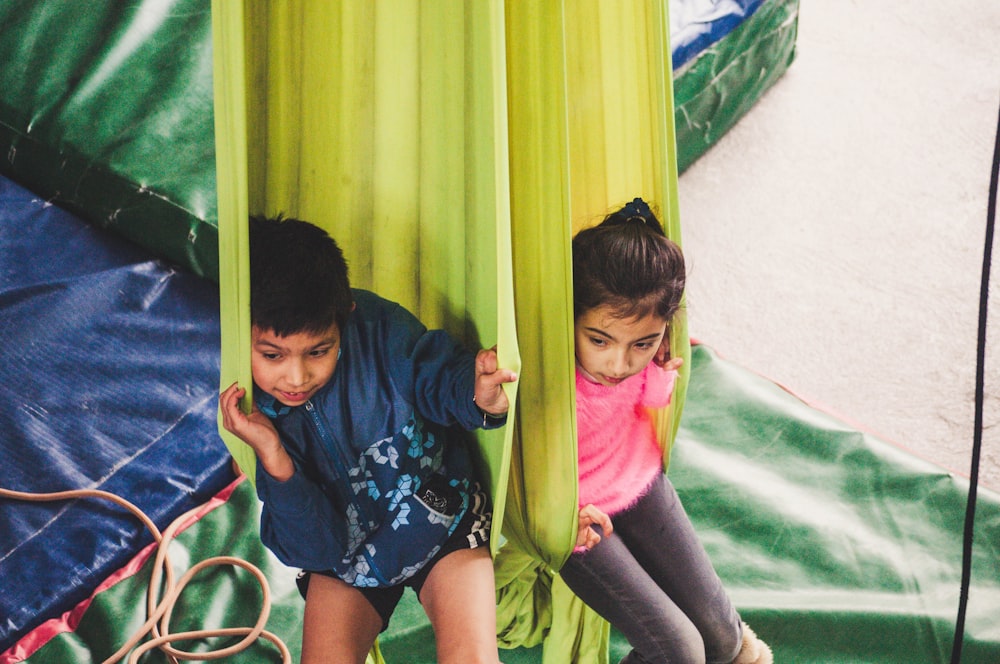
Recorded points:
(586, 536)
(257, 431)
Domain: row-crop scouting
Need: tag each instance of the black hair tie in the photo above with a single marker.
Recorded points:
(637, 210)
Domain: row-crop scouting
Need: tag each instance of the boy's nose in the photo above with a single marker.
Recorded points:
(298, 374)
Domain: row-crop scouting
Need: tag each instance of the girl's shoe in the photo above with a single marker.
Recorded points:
(753, 650)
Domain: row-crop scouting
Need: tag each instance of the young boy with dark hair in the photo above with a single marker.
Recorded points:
(365, 484)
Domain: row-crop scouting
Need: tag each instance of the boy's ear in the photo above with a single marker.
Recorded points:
(354, 305)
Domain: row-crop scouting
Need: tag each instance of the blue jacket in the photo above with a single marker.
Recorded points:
(382, 475)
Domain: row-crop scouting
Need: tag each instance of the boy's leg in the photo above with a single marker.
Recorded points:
(340, 624)
(460, 600)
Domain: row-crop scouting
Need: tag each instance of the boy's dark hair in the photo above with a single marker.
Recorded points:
(298, 277)
(628, 263)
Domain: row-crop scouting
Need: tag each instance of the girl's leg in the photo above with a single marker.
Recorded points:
(460, 600)
(613, 583)
(659, 534)
(340, 624)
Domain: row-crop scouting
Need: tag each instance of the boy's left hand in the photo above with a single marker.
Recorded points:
(489, 394)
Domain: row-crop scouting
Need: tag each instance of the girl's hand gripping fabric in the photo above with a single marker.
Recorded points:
(587, 537)
(257, 431)
(662, 358)
(489, 394)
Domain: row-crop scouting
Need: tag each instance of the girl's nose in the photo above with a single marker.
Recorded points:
(619, 364)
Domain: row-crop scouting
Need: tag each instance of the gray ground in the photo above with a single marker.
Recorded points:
(835, 235)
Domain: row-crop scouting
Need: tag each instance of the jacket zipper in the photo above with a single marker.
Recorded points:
(338, 461)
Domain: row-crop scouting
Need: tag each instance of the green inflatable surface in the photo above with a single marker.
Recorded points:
(836, 546)
(106, 110)
(719, 86)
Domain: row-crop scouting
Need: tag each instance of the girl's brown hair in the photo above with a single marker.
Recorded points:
(629, 264)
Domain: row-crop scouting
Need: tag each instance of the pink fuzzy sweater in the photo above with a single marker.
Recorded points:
(619, 455)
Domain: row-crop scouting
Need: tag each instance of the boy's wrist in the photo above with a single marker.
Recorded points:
(277, 463)
(487, 416)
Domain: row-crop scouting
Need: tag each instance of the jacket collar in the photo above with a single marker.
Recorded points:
(269, 405)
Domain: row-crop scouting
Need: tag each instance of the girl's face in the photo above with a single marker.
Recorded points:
(609, 349)
(294, 367)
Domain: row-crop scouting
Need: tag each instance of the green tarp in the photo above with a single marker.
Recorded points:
(106, 110)
(837, 547)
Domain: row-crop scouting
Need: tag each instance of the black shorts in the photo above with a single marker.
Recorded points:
(473, 531)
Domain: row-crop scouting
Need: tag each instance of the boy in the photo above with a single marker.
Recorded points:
(363, 484)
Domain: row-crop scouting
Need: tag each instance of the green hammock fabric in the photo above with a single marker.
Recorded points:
(598, 130)
(452, 150)
(420, 208)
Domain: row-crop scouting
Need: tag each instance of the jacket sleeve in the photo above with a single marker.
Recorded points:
(289, 517)
(437, 373)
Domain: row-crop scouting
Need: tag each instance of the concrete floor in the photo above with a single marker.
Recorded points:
(835, 235)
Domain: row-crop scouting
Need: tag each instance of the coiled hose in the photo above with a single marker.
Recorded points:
(157, 625)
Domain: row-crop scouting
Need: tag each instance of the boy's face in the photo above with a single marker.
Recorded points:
(294, 367)
(609, 349)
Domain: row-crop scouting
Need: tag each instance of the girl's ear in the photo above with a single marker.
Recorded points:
(663, 352)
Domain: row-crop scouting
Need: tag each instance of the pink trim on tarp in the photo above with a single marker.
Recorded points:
(31, 642)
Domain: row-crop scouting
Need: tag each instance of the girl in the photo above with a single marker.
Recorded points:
(653, 580)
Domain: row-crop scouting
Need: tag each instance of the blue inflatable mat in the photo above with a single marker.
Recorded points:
(109, 380)
(697, 24)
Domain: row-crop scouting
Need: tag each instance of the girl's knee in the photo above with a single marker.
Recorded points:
(692, 648)
(726, 646)
(674, 643)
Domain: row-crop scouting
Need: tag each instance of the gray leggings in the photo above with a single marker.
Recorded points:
(652, 580)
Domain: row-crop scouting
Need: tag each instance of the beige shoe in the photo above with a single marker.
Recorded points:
(753, 650)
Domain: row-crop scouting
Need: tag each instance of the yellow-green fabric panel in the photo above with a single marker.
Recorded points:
(591, 125)
(591, 128)
(231, 181)
(395, 126)
(578, 635)
(622, 138)
(385, 124)
(541, 517)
